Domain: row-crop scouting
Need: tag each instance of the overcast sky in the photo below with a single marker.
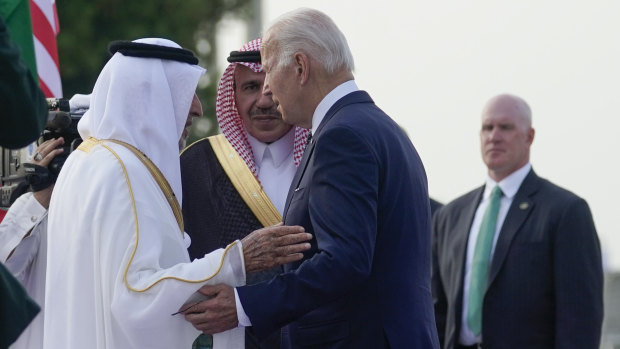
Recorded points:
(432, 66)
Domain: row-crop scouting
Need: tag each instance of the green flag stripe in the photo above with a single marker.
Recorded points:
(16, 14)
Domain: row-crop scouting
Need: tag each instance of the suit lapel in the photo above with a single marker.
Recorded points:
(521, 207)
(354, 97)
(301, 169)
(351, 98)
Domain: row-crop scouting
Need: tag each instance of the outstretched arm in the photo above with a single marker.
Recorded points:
(343, 206)
(273, 246)
(262, 249)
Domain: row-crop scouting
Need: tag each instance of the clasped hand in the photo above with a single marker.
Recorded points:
(262, 249)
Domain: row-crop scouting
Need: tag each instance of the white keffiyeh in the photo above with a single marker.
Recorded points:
(144, 102)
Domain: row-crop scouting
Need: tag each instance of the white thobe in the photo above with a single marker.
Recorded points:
(276, 166)
(117, 262)
(23, 232)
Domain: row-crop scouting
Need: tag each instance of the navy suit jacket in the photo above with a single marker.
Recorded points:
(545, 287)
(361, 191)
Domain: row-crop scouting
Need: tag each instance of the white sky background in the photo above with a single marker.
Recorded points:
(432, 65)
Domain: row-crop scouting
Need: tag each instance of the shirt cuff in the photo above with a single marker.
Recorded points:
(29, 211)
(21, 217)
(244, 320)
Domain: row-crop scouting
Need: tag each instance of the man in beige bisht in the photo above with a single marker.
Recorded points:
(118, 267)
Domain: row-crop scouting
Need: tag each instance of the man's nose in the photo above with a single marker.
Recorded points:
(495, 134)
(267, 88)
(265, 101)
(196, 107)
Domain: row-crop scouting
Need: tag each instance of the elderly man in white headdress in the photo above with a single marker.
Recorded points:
(23, 232)
(237, 181)
(118, 267)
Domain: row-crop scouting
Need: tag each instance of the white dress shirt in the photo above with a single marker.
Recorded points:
(329, 100)
(509, 186)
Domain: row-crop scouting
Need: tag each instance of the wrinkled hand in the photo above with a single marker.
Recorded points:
(272, 246)
(217, 314)
(48, 150)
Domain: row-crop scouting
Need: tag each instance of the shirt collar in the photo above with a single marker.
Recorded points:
(280, 149)
(509, 185)
(329, 100)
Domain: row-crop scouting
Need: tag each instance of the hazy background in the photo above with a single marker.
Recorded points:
(432, 66)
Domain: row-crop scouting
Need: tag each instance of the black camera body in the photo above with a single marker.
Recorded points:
(15, 171)
(61, 123)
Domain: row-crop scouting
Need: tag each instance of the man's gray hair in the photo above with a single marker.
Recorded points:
(312, 32)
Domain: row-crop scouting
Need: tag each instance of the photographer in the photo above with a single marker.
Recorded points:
(23, 240)
(22, 118)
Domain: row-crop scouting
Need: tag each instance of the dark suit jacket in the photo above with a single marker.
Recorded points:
(361, 191)
(545, 286)
(435, 205)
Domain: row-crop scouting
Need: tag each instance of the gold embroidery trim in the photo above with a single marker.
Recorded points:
(244, 181)
(87, 146)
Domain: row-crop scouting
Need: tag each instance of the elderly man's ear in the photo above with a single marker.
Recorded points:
(302, 67)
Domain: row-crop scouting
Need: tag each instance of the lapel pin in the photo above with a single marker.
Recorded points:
(524, 205)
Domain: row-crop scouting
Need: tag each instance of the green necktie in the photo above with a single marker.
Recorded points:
(204, 341)
(480, 262)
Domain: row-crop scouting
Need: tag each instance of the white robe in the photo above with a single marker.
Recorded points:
(103, 291)
(27, 261)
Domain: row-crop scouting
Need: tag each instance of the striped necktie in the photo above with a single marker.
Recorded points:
(309, 139)
(481, 262)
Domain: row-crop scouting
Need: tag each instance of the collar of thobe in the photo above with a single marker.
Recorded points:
(329, 100)
(280, 149)
(509, 185)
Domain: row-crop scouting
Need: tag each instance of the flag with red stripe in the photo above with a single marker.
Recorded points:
(34, 25)
(44, 31)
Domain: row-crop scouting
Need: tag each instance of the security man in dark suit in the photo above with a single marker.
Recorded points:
(516, 262)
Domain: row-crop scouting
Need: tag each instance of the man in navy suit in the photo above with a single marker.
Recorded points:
(543, 284)
(360, 189)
